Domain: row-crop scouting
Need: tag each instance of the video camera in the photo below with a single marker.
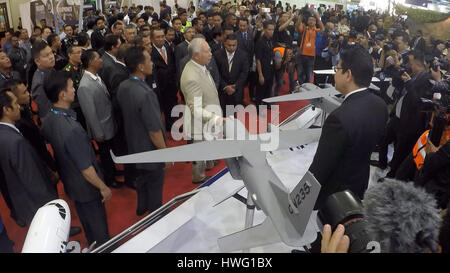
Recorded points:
(389, 46)
(345, 208)
(442, 63)
(440, 109)
(305, 12)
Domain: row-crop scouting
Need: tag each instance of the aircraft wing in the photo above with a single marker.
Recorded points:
(206, 150)
(294, 138)
(305, 95)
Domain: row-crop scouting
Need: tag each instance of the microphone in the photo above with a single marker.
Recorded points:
(403, 218)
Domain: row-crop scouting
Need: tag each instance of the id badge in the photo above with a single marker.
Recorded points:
(294, 43)
(271, 62)
(308, 44)
(154, 85)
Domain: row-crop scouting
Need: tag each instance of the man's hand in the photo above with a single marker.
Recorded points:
(229, 89)
(106, 193)
(436, 75)
(406, 77)
(430, 148)
(261, 80)
(336, 242)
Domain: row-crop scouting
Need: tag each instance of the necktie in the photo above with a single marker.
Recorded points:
(163, 54)
(245, 35)
(230, 63)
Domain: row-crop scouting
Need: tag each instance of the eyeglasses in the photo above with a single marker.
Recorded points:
(335, 68)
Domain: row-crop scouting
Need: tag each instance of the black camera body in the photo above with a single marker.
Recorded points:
(305, 13)
(442, 63)
(389, 46)
(440, 112)
(345, 208)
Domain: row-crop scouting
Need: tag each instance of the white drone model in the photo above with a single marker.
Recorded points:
(287, 212)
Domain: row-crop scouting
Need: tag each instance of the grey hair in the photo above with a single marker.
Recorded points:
(401, 216)
(195, 46)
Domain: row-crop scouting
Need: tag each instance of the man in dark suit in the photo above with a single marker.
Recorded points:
(419, 42)
(109, 59)
(351, 132)
(164, 61)
(176, 24)
(233, 68)
(25, 175)
(98, 36)
(208, 28)
(246, 43)
(412, 121)
(170, 36)
(165, 19)
(181, 50)
(217, 42)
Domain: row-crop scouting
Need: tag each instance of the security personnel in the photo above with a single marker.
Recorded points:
(75, 70)
(282, 55)
(264, 63)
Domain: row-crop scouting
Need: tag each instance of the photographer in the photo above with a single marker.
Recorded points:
(323, 41)
(412, 121)
(377, 49)
(305, 61)
(332, 51)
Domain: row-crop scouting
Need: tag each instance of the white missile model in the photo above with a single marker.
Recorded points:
(287, 212)
(49, 229)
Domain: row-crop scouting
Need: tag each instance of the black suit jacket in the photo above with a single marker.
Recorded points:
(419, 44)
(32, 133)
(215, 46)
(178, 38)
(248, 45)
(412, 120)
(26, 178)
(181, 50)
(348, 138)
(170, 46)
(238, 73)
(163, 24)
(97, 40)
(106, 73)
(164, 74)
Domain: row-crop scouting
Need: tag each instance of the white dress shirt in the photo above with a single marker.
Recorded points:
(11, 125)
(354, 91)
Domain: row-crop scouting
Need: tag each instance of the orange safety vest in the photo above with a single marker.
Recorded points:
(419, 153)
(281, 49)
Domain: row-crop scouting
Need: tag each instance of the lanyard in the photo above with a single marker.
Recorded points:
(136, 78)
(61, 113)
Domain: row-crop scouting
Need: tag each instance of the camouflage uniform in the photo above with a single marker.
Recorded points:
(76, 73)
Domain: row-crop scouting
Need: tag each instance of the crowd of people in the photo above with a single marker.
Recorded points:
(80, 83)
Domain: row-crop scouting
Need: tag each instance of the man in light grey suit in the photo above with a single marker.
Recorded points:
(199, 92)
(95, 102)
